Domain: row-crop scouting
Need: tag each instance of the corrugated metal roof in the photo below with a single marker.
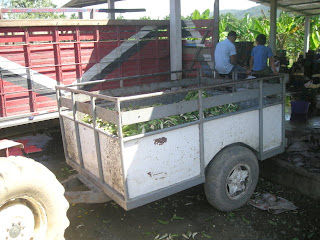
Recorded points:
(84, 3)
(300, 7)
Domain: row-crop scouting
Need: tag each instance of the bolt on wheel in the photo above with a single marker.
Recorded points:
(22, 218)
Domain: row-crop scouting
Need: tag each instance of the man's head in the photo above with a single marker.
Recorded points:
(232, 36)
(261, 39)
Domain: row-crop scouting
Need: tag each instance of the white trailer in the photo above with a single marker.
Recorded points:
(220, 151)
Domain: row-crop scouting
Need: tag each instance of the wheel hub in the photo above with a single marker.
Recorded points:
(22, 219)
(15, 231)
(237, 181)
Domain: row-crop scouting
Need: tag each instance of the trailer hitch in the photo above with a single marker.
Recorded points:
(75, 192)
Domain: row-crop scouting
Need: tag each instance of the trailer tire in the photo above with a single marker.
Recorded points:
(32, 202)
(231, 178)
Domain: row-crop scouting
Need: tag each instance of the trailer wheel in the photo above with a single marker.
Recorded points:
(231, 178)
(32, 202)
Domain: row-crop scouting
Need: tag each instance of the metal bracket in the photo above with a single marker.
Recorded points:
(94, 195)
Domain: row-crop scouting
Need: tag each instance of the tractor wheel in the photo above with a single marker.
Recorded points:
(32, 202)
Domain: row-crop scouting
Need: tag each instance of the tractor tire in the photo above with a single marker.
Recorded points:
(231, 178)
(32, 202)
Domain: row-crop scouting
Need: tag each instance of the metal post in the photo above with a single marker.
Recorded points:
(283, 127)
(77, 49)
(273, 25)
(175, 39)
(120, 138)
(111, 6)
(62, 128)
(260, 118)
(96, 138)
(97, 51)
(306, 35)
(76, 126)
(201, 135)
(27, 52)
(57, 55)
(3, 112)
(216, 13)
(92, 14)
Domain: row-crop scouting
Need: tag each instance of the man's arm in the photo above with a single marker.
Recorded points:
(233, 59)
(273, 67)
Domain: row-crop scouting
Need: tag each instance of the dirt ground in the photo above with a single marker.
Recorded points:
(185, 215)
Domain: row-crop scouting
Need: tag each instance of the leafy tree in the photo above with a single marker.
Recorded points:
(32, 4)
(290, 34)
(74, 16)
(290, 30)
(196, 15)
(314, 30)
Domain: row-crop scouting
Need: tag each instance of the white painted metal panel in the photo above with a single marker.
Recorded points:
(88, 150)
(155, 162)
(219, 133)
(71, 140)
(272, 127)
(111, 162)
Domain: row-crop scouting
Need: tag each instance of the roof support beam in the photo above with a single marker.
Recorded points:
(216, 14)
(298, 4)
(111, 15)
(306, 35)
(280, 6)
(175, 39)
(273, 25)
(216, 19)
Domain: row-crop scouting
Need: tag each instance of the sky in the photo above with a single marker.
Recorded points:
(160, 8)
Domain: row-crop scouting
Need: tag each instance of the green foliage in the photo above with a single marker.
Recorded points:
(32, 4)
(156, 124)
(290, 30)
(145, 18)
(314, 30)
(74, 16)
(196, 15)
(121, 17)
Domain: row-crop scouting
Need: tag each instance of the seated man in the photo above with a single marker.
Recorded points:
(225, 56)
(259, 58)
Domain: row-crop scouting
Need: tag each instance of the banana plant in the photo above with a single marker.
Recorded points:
(314, 29)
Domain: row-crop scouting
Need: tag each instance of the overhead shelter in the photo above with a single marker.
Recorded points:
(85, 3)
(305, 8)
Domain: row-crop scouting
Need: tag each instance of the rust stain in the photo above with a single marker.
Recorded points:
(160, 141)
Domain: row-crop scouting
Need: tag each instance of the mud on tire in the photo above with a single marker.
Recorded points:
(32, 202)
(231, 178)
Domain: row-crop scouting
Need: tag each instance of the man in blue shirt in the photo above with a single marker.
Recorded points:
(259, 57)
(225, 56)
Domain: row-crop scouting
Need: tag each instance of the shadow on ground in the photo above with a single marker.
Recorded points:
(185, 215)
